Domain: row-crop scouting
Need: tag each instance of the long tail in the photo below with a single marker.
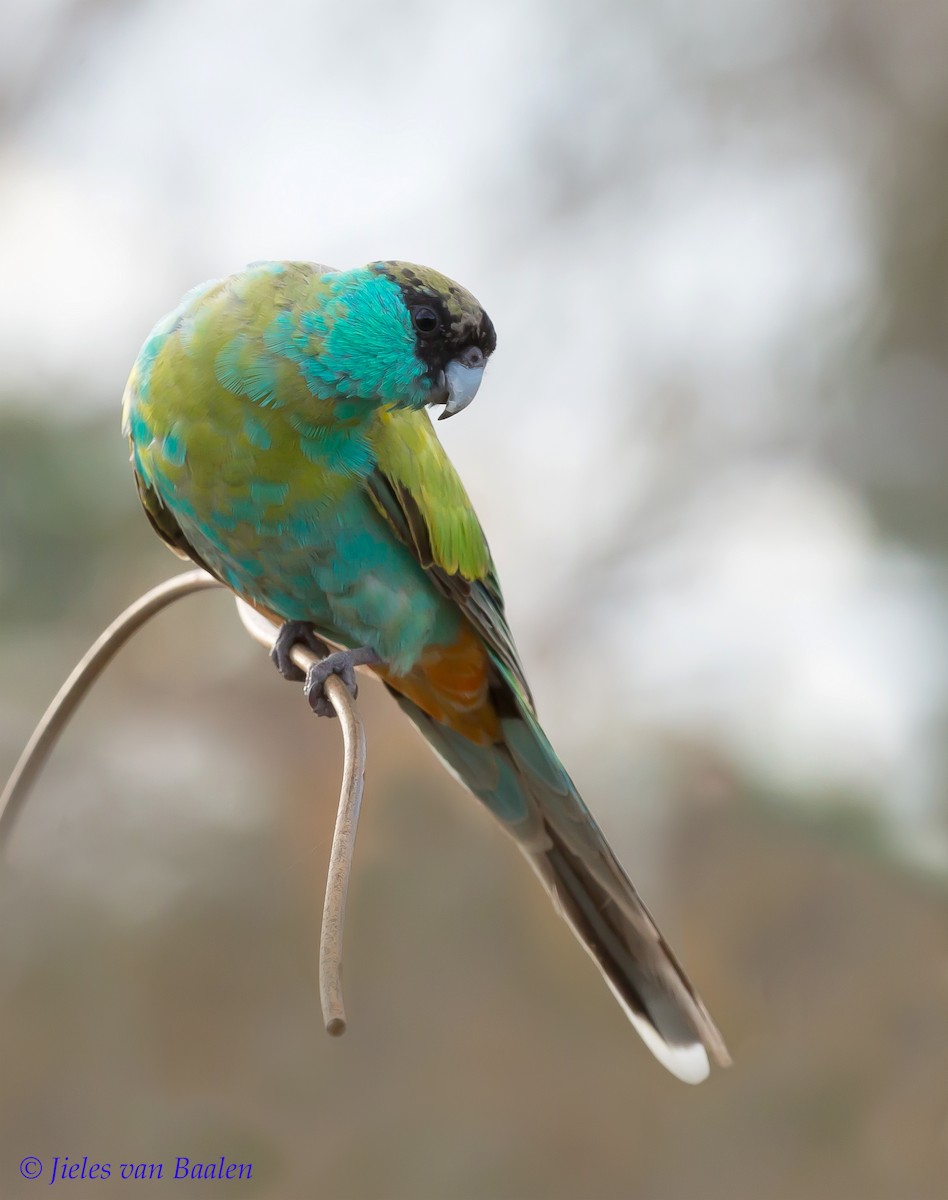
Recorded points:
(523, 783)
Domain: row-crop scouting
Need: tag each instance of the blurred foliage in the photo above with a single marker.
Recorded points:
(61, 520)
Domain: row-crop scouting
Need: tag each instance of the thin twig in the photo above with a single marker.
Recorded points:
(91, 666)
(347, 822)
(74, 690)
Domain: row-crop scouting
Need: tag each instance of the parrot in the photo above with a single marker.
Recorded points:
(280, 438)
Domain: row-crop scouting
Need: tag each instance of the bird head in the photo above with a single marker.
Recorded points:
(452, 335)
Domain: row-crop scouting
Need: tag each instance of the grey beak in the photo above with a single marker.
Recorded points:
(462, 378)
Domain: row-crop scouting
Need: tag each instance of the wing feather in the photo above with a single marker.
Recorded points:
(418, 492)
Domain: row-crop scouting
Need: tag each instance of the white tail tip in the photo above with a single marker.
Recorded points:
(688, 1063)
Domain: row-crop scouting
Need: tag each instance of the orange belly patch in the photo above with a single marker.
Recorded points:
(450, 684)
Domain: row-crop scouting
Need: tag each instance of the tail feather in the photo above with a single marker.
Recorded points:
(522, 782)
(638, 965)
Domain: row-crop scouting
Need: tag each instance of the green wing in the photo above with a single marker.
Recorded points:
(418, 492)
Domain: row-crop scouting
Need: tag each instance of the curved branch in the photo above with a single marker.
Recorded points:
(74, 690)
(91, 666)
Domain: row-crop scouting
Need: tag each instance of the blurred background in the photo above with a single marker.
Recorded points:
(710, 456)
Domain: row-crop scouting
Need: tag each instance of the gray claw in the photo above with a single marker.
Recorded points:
(341, 663)
(295, 633)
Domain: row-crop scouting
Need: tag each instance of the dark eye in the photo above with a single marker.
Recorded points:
(425, 320)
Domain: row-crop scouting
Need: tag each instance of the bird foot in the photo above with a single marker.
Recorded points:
(295, 633)
(341, 663)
